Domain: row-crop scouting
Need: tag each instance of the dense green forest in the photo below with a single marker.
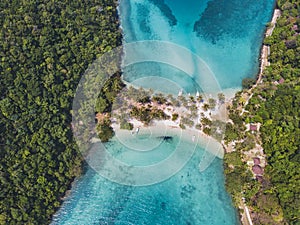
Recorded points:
(104, 103)
(45, 47)
(275, 104)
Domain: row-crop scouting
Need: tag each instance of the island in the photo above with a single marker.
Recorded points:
(134, 108)
(46, 46)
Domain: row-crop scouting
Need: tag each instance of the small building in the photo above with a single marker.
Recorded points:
(256, 161)
(257, 170)
(259, 178)
(295, 27)
(281, 81)
(253, 127)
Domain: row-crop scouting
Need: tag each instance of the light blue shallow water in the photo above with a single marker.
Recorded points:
(189, 197)
(226, 35)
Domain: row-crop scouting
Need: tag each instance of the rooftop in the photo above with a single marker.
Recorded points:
(257, 170)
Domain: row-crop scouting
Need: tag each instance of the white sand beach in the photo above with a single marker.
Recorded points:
(169, 128)
(164, 128)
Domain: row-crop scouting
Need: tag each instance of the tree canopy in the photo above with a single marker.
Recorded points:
(45, 48)
(275, 104)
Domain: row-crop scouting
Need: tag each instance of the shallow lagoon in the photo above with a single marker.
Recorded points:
(188, 197)
(227, 36)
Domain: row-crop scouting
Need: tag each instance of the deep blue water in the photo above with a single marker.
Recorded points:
(226, 35)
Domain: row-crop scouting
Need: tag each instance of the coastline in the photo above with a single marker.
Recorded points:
(192, 131)
(265, 50)
(168, 128)
(243, 210)
(65, 196)
(188, 133)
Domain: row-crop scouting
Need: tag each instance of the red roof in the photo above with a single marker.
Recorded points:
(257, 170)
(295, 27)
(281, 81)
(259, 178)
(256, 161)
(253, 127)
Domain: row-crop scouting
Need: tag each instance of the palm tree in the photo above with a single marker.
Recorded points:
(221, 98)
(205, 107)
(200, 98)
(212, 103)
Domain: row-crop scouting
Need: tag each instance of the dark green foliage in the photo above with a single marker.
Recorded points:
(231, 132)
(205, 121)
(144, 100)
(207, 130)
(218, 129)
(105, 131)
(125, 125)
(236, 175)
(212, 103)
(146, 114)
(160, 99)
(268, 205)
(280, 113)
(45, 48)
(104, 104)
(198, 126)
(108, 93)
(182, 126)
(221, 98)
(187, 121)
(205, 106)
(275, 104)
(175, 116)
(281, 141)
(248, 82)
(236, 118)
(285, 42)
(143, 114)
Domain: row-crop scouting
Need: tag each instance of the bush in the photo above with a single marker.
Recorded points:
(175, 116)
(105, 132)
(126, 125)
(182, 126)
(198, 126)
(248, 83)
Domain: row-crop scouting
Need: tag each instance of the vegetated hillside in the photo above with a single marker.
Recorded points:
(276, 105)
(45, 47)
(279, 110)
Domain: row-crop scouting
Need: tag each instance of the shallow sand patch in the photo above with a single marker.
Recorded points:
(169, 128)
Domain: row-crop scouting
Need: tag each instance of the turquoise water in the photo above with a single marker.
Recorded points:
(189, 197)
(227, 36)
